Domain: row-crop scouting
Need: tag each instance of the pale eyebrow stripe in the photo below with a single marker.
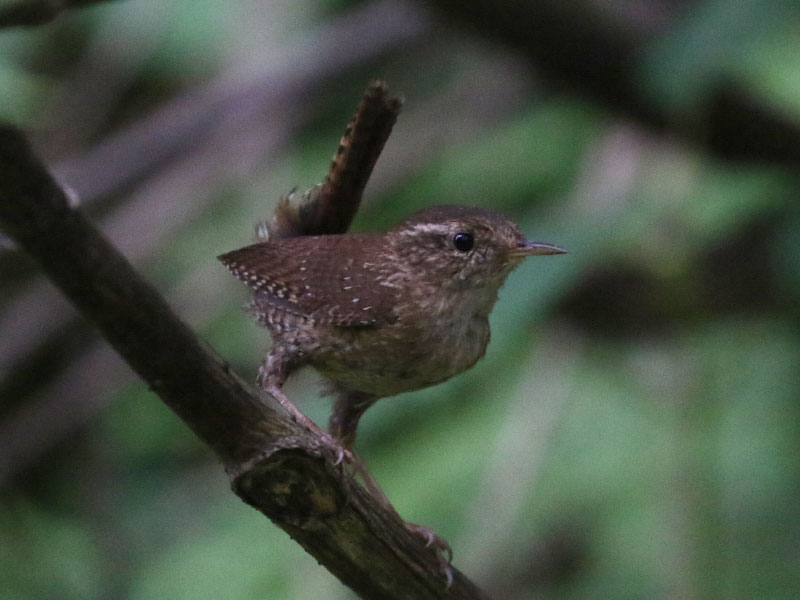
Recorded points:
(427, 228)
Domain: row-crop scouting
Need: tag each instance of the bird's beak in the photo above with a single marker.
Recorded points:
(535, 249)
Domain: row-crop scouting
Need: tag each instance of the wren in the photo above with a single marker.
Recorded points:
(380, 314)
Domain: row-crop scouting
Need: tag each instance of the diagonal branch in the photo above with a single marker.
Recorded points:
(274, 464)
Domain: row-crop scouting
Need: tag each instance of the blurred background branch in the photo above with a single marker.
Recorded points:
(37, 12)
(656, 368)
(598, 52)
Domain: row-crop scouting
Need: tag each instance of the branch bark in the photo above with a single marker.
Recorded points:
(274, 464)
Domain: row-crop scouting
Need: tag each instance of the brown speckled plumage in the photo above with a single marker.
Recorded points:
(381, 314)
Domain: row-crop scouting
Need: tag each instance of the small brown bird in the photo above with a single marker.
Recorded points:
(381, 314)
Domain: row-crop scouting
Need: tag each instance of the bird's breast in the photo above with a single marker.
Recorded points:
(416, 351)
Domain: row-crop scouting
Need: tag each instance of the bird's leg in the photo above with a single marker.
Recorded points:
(347, 411)
(272, 374)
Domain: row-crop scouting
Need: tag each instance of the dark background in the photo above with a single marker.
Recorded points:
(633, 431)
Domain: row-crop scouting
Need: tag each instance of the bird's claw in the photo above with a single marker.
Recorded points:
(339, 457)
(343, 455)
(444, 552)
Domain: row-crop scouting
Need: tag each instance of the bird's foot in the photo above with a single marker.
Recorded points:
(326, 440)
(443, 551)
(439, 546)
(343, 455)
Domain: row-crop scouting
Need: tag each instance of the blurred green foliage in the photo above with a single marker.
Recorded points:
(633, 431)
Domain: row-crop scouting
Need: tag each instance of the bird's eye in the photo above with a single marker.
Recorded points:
(463, 241)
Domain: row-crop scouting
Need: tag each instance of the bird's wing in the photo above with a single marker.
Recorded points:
(312, 276)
